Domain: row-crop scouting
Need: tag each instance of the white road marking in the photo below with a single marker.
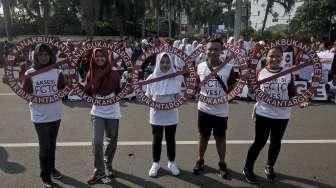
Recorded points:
(147, 143)
(7, 94)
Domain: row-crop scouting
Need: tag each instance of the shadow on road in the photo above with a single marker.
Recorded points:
(8, 166)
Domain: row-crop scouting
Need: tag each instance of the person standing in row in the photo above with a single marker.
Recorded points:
(102, 82)
(214, 117)
(270, 121)
(164, 121)
(45, 117)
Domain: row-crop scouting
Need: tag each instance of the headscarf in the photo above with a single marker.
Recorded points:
(102, 80)
(194, 45)
(167, 86)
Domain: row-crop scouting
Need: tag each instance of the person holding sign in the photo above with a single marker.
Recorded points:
(213, 117)
(327, 58)
(102, 83)
(45, 117)
(270, 121)
(161, 121)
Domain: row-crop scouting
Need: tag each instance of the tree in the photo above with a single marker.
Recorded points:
(65, 17)
(286, 4)
(8, 10)
(89, 11)
(169, 8)
(314, 18)
(156, 5)
(46, 11)
(105, 9)
(114, 17)
(36, 13)
(139, 15)
(229, 20)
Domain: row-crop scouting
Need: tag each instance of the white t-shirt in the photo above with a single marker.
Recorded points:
(277, 88)
(111, 111)
(163, 117)
(45, 84)
(326, 58)
(212, 88)
(306, 73)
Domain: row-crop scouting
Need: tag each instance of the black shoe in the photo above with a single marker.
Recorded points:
(269, 172)
(96, 178)
(223, 172)
(56, 174)
(199, 166)
(250, 177)
(47, 183)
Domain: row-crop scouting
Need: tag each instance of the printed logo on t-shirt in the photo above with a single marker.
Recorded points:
(277, 88)
(213, 88)
(43, 87)
(44, 84)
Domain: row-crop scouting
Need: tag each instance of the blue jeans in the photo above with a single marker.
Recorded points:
(110, 127)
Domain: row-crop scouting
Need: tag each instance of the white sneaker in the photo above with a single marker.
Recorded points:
(153, 171)
(172, 166)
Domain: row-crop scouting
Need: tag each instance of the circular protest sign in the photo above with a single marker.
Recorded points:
(117, 53)
(234, 53)
(308, 58)
(187, 71)
(16, 55)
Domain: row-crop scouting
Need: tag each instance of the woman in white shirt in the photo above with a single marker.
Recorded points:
(271, 121)
(45, 117)
(164, 91)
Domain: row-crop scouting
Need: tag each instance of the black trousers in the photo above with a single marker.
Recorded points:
(47, 135)
(264, 128)
(157, 132)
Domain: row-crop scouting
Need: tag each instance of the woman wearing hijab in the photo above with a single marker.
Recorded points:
(102, 83)
(194, 45)
(161, 121)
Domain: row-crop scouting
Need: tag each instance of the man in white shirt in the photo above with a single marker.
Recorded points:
(213, 118)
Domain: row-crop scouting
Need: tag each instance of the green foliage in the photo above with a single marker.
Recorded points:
(116, 17)
(313, 18)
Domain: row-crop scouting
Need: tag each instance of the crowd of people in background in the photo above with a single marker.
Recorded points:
(134, 47)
